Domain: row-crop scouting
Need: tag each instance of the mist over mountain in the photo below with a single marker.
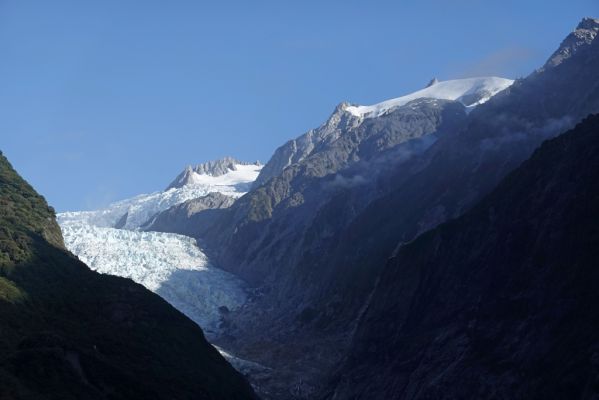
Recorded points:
(499, 303)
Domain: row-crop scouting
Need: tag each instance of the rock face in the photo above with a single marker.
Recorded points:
(70, 333)
(499, 303)
(274, 217)
(296, 150)
(315, 234)
(347, 118)
(581, 38)
(193, 217)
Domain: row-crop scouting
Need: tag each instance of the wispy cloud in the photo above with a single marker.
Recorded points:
(501, 62)
(101, 196)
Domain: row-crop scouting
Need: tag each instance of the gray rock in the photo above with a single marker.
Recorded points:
(191, 217)
(296, 150)
(581, 38)
(122, 221)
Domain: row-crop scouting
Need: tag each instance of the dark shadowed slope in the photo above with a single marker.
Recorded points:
(193, 217)
(69, 333)
(500, 303)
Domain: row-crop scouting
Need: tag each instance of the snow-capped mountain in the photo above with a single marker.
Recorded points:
(237, 172)
(110, 241)
(134, 212)
(470, 92)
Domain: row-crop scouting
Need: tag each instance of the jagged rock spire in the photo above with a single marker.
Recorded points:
(583, 35)
(432, 82)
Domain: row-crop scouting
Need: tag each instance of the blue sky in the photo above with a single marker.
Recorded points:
(107, 99)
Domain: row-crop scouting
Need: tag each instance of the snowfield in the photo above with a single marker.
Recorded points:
(241, 179)
(140, 209)
(470, 92)
(169, 264)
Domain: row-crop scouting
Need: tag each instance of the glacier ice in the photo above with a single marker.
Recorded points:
(170, 265)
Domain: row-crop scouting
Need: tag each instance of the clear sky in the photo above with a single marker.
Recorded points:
(102, 100)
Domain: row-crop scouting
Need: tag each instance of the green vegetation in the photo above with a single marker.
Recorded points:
(69, 333)
(9, 291)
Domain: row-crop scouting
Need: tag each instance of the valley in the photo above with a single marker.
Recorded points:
(439, 244)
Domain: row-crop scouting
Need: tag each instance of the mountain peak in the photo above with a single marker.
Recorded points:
(432, 82)
(214, 168)
(182, 179)
(341, 107)
(217, 167)
(588, 23)
(580, 38)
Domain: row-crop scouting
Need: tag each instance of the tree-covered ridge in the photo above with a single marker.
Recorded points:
(67, 332)
(23, 214)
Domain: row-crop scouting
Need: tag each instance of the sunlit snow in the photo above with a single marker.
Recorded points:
(241, 179)
(471, 92)
(141, 208)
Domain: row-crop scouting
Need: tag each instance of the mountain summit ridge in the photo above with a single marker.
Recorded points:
(470, 92)
(584, 34)
(214, 168)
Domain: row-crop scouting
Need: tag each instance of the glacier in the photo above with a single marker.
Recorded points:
(168, 264)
